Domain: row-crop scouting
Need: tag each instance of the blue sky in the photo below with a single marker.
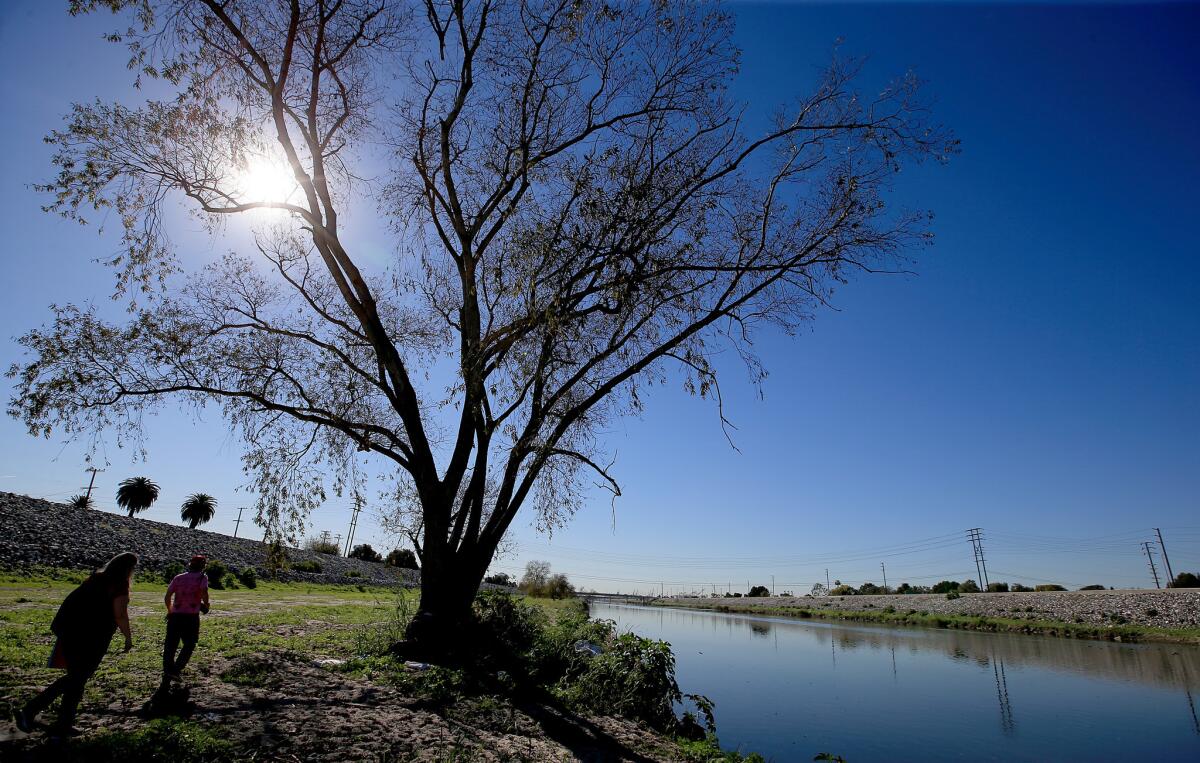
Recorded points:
(1037, 378)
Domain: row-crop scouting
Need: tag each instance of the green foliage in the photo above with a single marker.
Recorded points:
(843, 590)
(136, 494)
(1185, 580)
(166, 739)
(944, 586)
(376, 639)
(276, 560)
(634, 677)
(759, 591)
(997, 587)
(708, 750)
(1049, 587)
(501, 578)
(171, 570)
(218, 574)
(952, 595)
(870, 589)
(403, 558)
(537, 581)
(198, 509)
(81, 501)
(1018, 588)
(366, 553)
(307, 565)
(353, 574)
(248, 577)
(1092, 588)
(968, 586)
(322, 546)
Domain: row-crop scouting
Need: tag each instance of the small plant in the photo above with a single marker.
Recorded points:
(276, 559)
(307, 565)
(353, 574)
(81, 502)
(952, 595)
(248, 671)
(889, 609)
(217, 573)
(1151, 612)
(1118, 618)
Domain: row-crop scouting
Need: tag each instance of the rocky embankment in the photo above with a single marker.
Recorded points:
(1167, 608)
(34, 532)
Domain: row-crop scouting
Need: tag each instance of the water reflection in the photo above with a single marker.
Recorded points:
(879, 693)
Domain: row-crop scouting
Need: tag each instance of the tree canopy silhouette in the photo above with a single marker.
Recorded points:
(579, 212)
(198, 509)
(137, 494)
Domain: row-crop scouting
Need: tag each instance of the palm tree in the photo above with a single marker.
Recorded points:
(137, 494)
(197, 509)
(81, 501)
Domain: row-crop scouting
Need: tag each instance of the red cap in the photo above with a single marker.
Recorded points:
(198, 558)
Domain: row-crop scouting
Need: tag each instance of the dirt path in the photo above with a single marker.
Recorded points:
(303, 712)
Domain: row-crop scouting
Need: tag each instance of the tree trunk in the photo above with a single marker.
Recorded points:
(449, 582)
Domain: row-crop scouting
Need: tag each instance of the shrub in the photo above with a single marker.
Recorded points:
(276, 558)
(322, 546)
(968, 586)
(634, 677)
(248, 577)
(160, 739)
(505, 626)
(501, 578)
(951, 595)
(1049, 587)
(538, 581)
(868, 589)
(759, 591)
(1151, 612)
(307, 565)
(945, 586)
(171, 570)
(1018, 588)
(217, 573)
(997, 587)
(353, 574)
(1185, 580)
(842, 590)
(365, 553)
(404, 558)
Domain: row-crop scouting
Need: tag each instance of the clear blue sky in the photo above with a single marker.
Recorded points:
(1038, 378)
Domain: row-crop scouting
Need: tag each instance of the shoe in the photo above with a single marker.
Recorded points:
(24, 721)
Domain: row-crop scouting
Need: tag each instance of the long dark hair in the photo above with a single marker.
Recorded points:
(116, 571)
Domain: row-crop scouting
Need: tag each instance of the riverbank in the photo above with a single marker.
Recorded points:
(280, 674)
(1170, 616)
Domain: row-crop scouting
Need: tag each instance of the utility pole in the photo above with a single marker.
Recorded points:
(325, 536)
(353, 523)
(975, 535)
(1170, 572)
(337, 540)
(662, 590)
(885, 588)
(1150, 556)
(772, 585)
(238, 522)
(827, 580)
(91, 482)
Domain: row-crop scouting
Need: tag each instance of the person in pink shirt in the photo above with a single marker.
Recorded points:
(186, 598)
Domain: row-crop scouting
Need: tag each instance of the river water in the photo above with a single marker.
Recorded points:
(792, 688)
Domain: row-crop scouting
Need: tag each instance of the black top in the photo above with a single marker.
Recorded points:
(86, 615)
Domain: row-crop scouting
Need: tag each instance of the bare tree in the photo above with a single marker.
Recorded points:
(579, 214)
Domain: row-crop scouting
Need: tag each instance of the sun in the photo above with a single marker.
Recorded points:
(265, 179)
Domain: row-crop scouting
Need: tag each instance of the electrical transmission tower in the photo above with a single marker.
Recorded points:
(353, 524)
(1150, 557)
(975, 535)
(1167, 559)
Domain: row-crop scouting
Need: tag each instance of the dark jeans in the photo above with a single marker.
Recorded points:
(184, 628)
(82, 661)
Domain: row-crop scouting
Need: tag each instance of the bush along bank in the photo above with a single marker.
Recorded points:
(890, 615)
(522, 653)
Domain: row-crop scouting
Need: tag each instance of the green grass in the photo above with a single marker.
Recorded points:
(1040, 627)
(164, 739)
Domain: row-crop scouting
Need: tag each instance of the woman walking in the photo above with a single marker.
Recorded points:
(84, 625)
